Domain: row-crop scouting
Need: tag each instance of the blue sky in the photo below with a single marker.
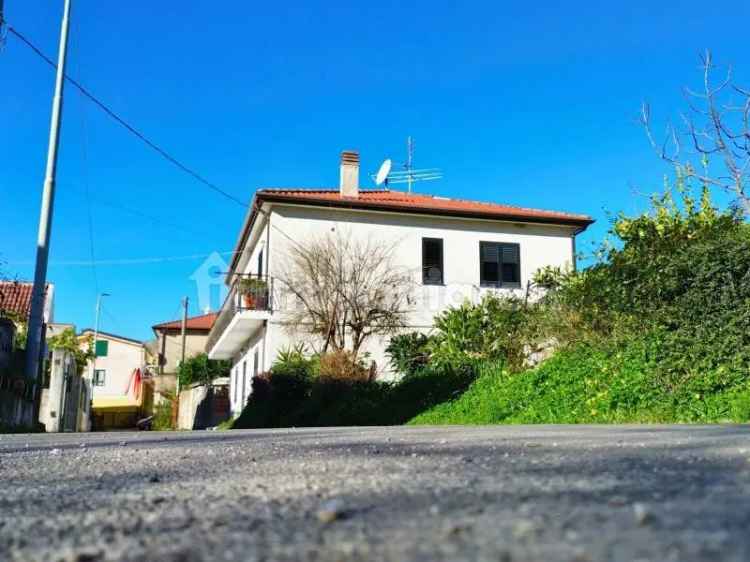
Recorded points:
(525, 103)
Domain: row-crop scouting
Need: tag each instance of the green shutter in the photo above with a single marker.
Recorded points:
(102, 348)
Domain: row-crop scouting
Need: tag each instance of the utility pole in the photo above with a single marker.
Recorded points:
(92, 371)
(36, 316)
(183, 325)
(182, 328)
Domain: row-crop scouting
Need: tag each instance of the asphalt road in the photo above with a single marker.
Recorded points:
(501, 494)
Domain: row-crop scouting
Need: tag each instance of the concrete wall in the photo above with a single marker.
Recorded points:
(163, 384)
(65, 404)
(194, 398)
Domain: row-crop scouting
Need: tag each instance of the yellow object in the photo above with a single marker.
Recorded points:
(116, 404)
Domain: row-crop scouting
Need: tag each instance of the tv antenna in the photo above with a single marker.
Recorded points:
(409, 174)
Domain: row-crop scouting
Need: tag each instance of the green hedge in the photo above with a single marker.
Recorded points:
(301, 400)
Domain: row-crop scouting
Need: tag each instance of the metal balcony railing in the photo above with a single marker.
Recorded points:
(248, 291)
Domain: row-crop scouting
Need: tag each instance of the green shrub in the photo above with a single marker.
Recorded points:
(500, 327)
(67, 340)
(294, 361)
(288, 398)
(202, 370)
(409, 353)
(163, 414)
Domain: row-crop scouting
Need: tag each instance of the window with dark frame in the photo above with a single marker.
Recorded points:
(500, 264)
(99, 377)
(432, 261)
(260, 263)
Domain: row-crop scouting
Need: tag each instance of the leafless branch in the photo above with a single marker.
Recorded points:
(717, 132)
(347, 290)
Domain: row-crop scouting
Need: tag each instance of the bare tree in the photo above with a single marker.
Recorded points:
(346, 290)
(715, 132)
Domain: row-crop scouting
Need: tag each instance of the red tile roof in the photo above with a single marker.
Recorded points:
(425, 204)
(15, 297)
(203, 322)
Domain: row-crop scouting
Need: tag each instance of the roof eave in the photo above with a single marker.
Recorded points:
(581, 222)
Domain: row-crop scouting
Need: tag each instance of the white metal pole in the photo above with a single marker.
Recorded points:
(96, 335)
(36, 315)
(183, 325)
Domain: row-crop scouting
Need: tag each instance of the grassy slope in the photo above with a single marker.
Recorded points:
(585, 385)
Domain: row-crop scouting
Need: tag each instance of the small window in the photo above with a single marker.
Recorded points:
(99, 376)
(500, 264)
(256, 362)
(260, 263)
(102, 348)
(432, 261)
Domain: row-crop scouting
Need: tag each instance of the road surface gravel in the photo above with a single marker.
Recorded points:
(520, 493)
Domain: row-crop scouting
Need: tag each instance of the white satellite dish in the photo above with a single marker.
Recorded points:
(385, 169)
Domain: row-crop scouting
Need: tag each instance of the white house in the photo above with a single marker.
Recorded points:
(455, 249)
(116, 376)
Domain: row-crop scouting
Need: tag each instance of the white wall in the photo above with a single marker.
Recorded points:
(122, 358)
(540, 245)
(241, 375)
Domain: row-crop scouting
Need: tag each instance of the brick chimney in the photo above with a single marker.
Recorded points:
(349, 186)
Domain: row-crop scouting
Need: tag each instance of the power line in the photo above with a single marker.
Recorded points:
(141, 136)
(85, 179)
(97, 200)
(166, 155)
(129, 261)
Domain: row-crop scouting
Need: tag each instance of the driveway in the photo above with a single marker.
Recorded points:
(543, 493)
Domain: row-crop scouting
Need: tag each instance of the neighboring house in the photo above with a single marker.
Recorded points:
(57, 328)
(168, 348)
(15, 301)
(455, 249)
(117, 375)
(15, 307)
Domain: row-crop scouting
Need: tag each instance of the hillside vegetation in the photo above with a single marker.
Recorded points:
(657, 330)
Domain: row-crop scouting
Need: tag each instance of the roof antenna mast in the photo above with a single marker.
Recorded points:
(408, 175)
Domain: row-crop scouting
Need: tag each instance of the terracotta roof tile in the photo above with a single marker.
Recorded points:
(415, 202)
(203, 322)
(15, 297)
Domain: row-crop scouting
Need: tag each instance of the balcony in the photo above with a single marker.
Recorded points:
(247, 306)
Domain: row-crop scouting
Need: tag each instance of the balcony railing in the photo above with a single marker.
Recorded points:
(248, 291)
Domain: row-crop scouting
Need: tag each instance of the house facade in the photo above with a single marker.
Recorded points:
(22, 404)
(451, 249)
(169, 348)
(15, 301)
(117, 376)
